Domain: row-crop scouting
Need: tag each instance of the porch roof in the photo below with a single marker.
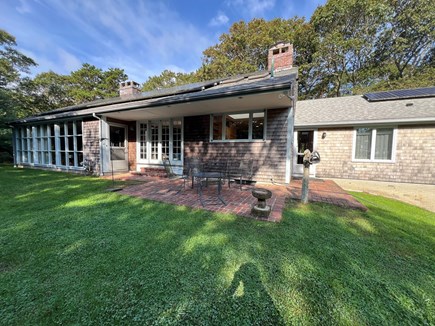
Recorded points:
(245, 92)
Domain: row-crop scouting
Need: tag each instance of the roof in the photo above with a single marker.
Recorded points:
(257, 82)
(356, 110)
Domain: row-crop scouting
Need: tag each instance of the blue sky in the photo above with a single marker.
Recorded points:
(143, 37)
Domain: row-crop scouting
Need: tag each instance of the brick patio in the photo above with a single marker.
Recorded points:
(238, 201)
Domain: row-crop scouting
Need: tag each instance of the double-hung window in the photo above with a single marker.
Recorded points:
(248, 126)
(374, 144)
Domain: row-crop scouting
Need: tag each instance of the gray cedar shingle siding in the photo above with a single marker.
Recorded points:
(415, 154)
(269, 156)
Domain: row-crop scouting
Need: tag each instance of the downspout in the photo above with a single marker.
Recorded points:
(290, 133)
(100, 141)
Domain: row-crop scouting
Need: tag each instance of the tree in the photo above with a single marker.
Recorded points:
(12, 62)
(347, 30)
(244, 49)
(169, 79)
(407, 39)
(90, 83)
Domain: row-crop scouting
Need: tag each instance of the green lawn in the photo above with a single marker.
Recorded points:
(72, 253)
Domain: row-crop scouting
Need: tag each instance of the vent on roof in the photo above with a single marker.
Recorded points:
(400, 94)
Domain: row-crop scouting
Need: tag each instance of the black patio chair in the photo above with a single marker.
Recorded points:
(193, 165)
(243, 174)
(219, 166)
(173, 176)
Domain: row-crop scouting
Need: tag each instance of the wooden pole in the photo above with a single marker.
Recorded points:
(306, 178)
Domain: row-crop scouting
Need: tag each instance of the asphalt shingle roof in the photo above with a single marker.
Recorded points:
(353, 110)
(251, 82)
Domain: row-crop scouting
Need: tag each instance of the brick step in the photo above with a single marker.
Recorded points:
(153, 172)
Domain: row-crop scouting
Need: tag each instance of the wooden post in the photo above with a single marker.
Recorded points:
(305, 180)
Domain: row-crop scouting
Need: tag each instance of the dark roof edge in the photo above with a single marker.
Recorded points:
(175, 99)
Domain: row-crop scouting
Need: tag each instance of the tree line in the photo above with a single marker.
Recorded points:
(347, 47)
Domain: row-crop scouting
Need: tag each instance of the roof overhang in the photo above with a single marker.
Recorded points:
(269, 94)
(239, 103)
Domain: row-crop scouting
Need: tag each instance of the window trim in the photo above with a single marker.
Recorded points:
(373, 145)
(250, 140)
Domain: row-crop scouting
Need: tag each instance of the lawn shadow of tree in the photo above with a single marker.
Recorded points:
(248, 301)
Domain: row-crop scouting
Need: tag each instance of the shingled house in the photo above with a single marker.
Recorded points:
(235, 118)
(385, 136)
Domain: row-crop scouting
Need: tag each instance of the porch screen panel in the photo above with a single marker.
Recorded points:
(79, 143)
(52, 144)
(154, 141)
(70, 140)
(165, 139)
(176, 140)
(63, 141)
(384, 144)
(23, 140)
(44, 143)
(143, 137)
(18, 145)
(38, 144)
(30, 144)
(363, 144)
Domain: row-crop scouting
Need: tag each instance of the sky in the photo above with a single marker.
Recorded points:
(143, 37)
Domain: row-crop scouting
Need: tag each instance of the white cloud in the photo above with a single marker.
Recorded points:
(219, 20)
(148, 32)
(253, 8)
(68, 61)
(142, 37)
(24, 7)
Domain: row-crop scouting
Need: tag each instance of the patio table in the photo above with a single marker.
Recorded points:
(201, 176)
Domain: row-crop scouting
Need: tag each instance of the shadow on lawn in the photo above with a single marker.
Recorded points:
(94, 257)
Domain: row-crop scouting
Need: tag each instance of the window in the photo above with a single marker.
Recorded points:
(40, 145)
(238, 126)
(143, 138)
(159, 139)
(176, 140)
(374, 144)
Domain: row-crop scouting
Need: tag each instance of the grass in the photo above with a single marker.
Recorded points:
(71, 253)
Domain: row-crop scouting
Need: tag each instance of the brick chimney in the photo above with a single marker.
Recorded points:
(129, 88)
(281, 54)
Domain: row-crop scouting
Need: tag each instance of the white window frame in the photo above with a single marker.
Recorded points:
(159, 160)
(36, 138)
(223, 140)
(373, 145)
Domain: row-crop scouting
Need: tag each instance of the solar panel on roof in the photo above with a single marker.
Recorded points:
(401, 94)
(180, 89)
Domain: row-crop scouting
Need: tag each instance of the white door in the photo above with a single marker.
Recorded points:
(118, 148)
(304, 139)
